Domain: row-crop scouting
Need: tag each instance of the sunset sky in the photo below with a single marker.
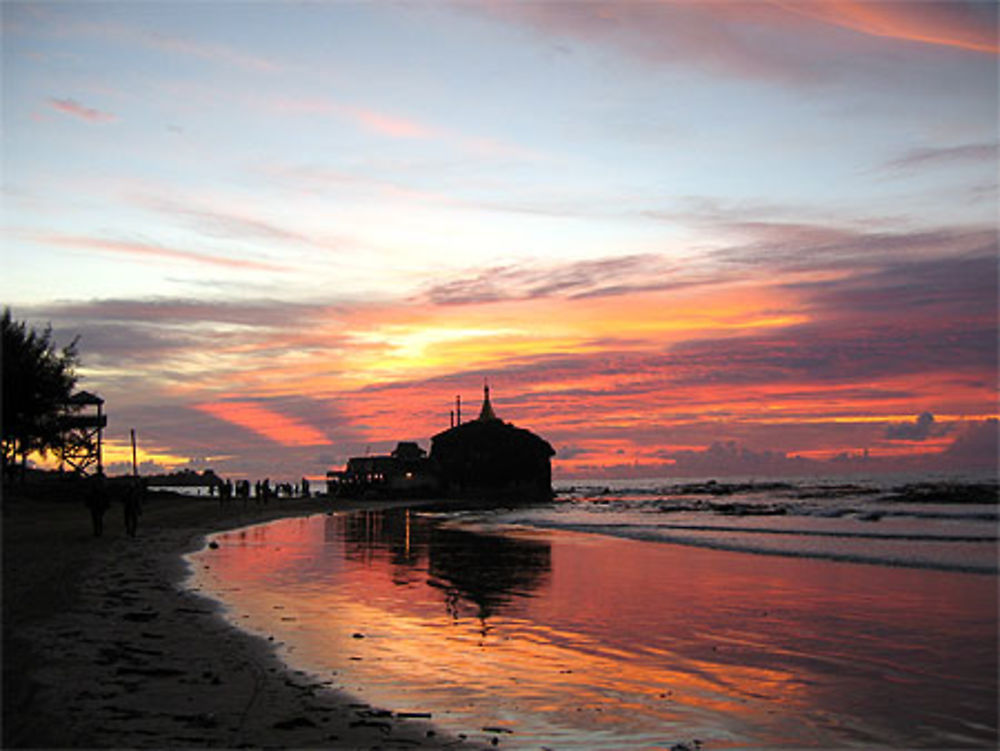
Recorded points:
(677, 238)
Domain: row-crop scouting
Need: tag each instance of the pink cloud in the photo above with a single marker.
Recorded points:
(212, 52)
(144, 250)
(74, 108)
(395, 127)
(371, 120)
(104, 30)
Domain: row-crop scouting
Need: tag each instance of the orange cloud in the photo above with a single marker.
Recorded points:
(949, 25)
(276, 427)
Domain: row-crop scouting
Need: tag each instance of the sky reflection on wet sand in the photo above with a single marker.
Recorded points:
(583, 640)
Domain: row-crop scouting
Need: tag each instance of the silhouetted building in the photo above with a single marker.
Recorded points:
(490, 457)
(484, 458)
(405, 473)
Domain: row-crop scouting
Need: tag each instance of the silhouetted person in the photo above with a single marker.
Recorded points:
(305, 488)
(133, 506)
(97, 502)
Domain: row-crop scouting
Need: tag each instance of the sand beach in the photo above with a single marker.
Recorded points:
(102, 649)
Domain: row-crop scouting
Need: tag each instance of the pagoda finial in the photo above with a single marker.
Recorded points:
(487, 413)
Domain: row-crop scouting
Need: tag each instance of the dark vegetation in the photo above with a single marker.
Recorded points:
(38, 380)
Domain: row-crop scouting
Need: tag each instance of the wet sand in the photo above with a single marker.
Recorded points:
(553, 638)
(103, 649)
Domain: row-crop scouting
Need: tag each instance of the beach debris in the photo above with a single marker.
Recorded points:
(871, 516)
(374, 713)
(213, 545)
(150, 672)
(497, 730)
(206, 720)
(385, 727)
(141, 617)
(294, 722)
(357, 635)
(193, 611)
(414, 715)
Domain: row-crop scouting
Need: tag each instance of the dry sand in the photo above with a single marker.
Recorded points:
(103, 648)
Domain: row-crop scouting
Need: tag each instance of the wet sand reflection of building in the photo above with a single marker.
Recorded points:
(478, 574)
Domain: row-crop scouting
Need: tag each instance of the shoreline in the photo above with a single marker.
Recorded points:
(104, 648)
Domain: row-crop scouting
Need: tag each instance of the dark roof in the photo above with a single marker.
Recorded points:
(85, 397)
(493, 432)
(408, 450)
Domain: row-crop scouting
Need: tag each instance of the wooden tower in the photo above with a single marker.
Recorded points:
(82, 434)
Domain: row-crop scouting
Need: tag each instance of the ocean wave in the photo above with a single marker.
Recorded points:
(662, 535)
(944, 492)
(912, 536)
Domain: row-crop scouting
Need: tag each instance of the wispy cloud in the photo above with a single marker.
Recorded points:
(783, 41)
(140, 250)
(74, 108)
(223, 222)
(935, 156)
(781, 246)
(970, 26)
(369, 119)
(213, 52)
(63, 25)
(183, 311)
(389, 125)
(591, 278)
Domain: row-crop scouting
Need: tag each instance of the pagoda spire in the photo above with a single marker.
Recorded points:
(487, 413)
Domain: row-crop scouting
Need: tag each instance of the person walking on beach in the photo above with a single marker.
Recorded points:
(97, 501)
(133, 506)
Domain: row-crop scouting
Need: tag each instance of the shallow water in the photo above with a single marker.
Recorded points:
(572, 640)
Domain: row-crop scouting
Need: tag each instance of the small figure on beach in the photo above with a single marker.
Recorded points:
(243, 491)
(305, 487)
(133, 506)
(97, 502)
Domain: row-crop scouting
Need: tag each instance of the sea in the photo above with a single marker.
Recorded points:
(838, 612)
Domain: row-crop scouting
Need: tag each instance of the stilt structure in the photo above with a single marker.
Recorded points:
(82, 434)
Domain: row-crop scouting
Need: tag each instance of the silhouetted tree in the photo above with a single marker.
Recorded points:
(37, 383)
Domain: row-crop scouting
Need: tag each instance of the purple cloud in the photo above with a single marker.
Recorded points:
(985, 153)
(921, 429)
